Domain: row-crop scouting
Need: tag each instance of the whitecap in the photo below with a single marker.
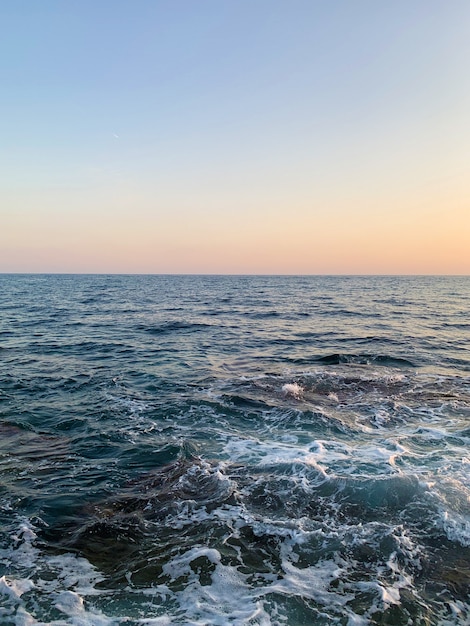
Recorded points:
(456, 527)
(292, 389)
(14, 589)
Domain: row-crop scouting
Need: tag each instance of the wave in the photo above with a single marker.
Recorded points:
(171, 327)
(263, 315)
(114, 530)
(364, 359)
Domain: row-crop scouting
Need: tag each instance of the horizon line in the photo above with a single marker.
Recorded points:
(234, 274)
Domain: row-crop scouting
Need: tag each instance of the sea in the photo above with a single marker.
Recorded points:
(234, 450)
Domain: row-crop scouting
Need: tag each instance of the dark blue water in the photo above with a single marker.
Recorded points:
(234, 450)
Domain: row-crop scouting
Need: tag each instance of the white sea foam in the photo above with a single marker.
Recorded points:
(292, 389)
(61, 580)
(262, 453)
(379, 453)
(14, 589)
(227, 600)
(132, 406)
(313, 582)
(456, 526)
(70, 603)
(231, 599)
(331, 458)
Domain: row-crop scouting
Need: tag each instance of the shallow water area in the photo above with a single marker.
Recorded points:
(234, 450)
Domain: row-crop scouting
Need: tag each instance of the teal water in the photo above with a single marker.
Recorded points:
(234, 450)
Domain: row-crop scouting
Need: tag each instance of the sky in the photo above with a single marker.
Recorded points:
(235, 136)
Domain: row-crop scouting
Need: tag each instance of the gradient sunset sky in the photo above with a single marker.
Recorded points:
(235, 136)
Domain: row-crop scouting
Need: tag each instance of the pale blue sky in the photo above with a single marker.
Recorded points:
(134, 136)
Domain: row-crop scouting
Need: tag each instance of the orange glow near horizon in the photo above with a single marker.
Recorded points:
(415, 240)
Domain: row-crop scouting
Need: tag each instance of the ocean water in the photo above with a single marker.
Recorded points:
(234, 450)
